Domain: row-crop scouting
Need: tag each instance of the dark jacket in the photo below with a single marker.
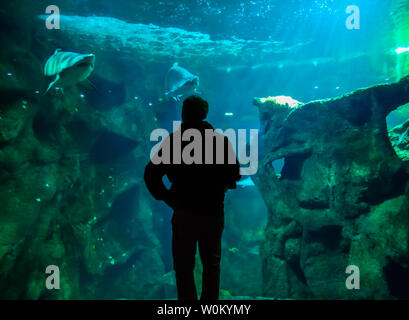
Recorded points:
(198, 188)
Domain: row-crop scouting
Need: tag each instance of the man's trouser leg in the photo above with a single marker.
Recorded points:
(184, 242)
(210, 237)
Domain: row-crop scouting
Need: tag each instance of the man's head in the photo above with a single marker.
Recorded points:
(194, 109)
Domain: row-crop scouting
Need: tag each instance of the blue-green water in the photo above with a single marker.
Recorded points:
(73, 161)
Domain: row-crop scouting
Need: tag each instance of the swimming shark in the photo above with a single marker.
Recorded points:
(180, 82)
(68, 68)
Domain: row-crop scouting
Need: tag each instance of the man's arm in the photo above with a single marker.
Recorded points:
(153, 179)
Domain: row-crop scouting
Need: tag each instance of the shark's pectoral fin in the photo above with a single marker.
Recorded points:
(52, 83)
(169, 96)
(178, 97)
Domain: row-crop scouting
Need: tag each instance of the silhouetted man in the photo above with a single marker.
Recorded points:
(196, 196)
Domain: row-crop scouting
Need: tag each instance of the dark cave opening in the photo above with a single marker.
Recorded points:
(299, 273)
(397, 278)
(330, 236)
(381, 189)
(358, 113)
(293, 166)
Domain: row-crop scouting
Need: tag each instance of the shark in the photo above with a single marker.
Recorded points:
(68, 68)
(180, 82)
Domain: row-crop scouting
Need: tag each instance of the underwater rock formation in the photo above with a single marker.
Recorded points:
(70, 189)
(341, 198)
(153, 43)
(399, 137)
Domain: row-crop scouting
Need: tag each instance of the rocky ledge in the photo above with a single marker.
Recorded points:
(341, 197)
